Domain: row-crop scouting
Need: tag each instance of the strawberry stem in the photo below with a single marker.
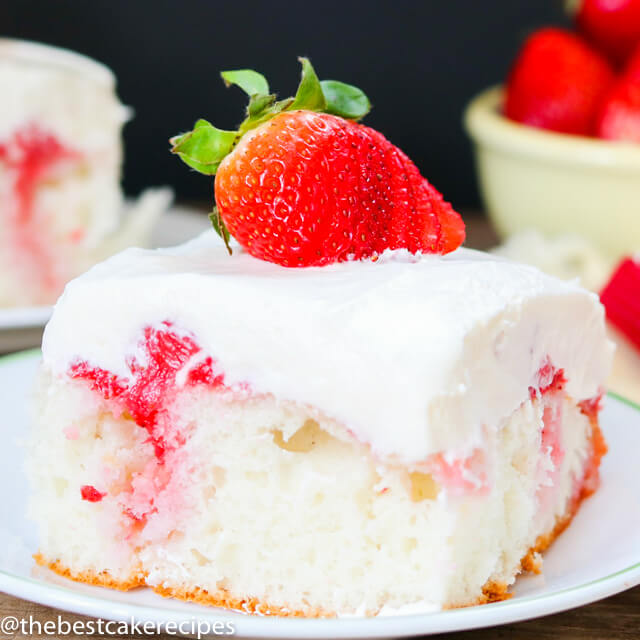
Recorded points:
(309, 94)
(220, 228)
(204, 148)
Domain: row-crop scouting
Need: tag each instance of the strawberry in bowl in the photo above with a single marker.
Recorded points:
(613, 26)
(556, 146)
(557, 83)
(619, 117)
(302, 183)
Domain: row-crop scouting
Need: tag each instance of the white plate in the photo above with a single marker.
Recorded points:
(597, 556)
(175, 226)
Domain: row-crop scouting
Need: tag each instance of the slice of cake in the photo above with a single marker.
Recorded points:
(61, 206)
(314, 441)
(390, 427)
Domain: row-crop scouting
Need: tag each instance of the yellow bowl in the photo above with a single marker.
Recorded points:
(555, 183)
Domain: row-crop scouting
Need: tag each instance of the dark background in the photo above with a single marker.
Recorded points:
(419, 61)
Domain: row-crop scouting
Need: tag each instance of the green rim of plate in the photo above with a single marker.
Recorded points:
(19, 355)
(30, 353)
(624, 400)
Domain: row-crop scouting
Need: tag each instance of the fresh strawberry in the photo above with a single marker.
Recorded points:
(619, 117)
(557, 82)
(613, 26)
(621, 299)
(301, 183)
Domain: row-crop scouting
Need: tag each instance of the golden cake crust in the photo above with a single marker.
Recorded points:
(98, 579)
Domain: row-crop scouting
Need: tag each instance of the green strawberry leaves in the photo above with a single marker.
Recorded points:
(309, 94)
(259, 103)
(260, 109)
(251, 82)
(205, 147)
(345, 100)
(329, 96)
(220, 228)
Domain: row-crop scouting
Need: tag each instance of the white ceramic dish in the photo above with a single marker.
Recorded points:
(177, 225)
(597, 556)
(555, 183)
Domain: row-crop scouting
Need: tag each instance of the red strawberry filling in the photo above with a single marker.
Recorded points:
(91, 494)
(152, 385)
(549, 379)
(463, 475)
(551, 383)
(169, 360)
(29, 158)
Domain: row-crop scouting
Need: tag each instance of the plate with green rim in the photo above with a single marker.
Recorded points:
(597, 556)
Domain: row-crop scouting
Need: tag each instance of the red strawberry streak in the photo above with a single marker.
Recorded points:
(91, 494)
(553, 380)
(550, 382)
(30, 157)
(147, 393)
(168, 352)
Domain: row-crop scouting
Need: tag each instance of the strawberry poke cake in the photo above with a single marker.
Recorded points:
(350, 414)
(61, 205)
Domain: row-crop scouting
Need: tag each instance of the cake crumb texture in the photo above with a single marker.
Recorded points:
(492, 591)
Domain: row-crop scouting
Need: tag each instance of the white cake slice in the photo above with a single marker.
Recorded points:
(324, 441)
(61, 206)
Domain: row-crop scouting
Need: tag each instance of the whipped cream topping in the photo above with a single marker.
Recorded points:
(413, 355)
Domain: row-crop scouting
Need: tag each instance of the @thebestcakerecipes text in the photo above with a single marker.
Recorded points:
(13, 626)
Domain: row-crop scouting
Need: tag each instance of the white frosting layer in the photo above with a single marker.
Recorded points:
(414, 356)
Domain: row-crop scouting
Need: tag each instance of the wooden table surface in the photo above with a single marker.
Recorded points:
(616, 618)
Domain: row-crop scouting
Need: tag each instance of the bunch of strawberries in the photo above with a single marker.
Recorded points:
(586, 83)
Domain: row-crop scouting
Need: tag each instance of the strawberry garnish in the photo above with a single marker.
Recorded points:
(557, 82)
(302, 183)
(613, 26)
(621, 299)
(620, 112)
